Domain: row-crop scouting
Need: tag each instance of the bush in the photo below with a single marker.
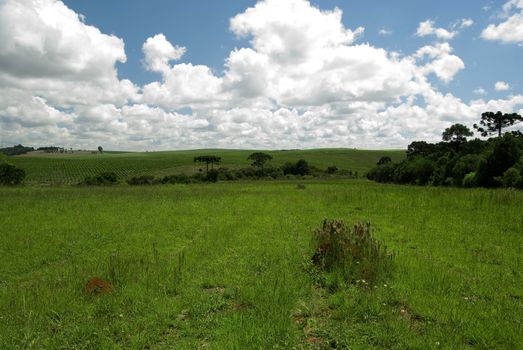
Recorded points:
(141, 180)
(382, 173)
(332, 169)
(104, 179)
(211, 176)
(465, 165)
(11, 175)
(470, 180)
(511, 178)
(176, 179)
(301, 167)
(350, 250)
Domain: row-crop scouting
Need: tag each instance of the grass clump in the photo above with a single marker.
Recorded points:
(351, 250)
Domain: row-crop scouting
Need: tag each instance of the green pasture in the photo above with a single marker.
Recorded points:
(227, 266)
(71, 168)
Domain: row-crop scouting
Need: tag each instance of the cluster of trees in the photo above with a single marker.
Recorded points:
(208, 160)
(260, 169)
(457, 161)
(55, 149)
(10, 174)
(16, 150)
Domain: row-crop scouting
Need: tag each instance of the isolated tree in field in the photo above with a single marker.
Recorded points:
(457, 133)
(384, 160)
(100, 149)
(259, 159)
(208, 160)
(492, 123)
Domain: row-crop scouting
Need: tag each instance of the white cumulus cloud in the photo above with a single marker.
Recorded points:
(158, 52)
(303, 80)
(511, 29)
(501, 86)
(480, 91)
(427, 28)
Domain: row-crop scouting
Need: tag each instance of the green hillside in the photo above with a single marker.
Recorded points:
(72, 168)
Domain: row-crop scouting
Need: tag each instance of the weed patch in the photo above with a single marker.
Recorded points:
(351, 250)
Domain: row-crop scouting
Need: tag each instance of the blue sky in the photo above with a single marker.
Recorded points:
(258, 74)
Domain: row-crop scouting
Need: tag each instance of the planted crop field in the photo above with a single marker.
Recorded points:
(71, 168)
(228, 266)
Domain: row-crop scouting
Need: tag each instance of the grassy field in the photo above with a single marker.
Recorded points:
(73, 168)
(226, 266)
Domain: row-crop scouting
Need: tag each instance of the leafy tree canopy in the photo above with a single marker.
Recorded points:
(259, 159)
(207, 160)
(457, 133)
(384, 160)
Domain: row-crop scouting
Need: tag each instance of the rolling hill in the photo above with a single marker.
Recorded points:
(44, 168)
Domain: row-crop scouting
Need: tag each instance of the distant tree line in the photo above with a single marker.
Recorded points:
(260, 169)
(16, 150)
(457, 161)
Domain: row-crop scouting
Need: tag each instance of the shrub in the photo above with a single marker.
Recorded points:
(211, 176)
(465, 165)
(141, 180)
(351, 250)
(332, 169)
(382, 173)
(301, 167)
(176, 179)
(109, 177)
(103, 179)
(225, 174)
(511, 178)
(11, 175)
(384, 160)
(470, 180)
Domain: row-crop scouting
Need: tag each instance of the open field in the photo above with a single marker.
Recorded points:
(73, 168)
(225, 266)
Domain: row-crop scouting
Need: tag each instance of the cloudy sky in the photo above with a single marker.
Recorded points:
(269, 74)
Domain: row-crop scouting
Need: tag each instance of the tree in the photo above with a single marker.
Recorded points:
(302, 167)
(10, 174)
(420, 148)
(259, 159)
(207, 160)
(504, 155)
(457, 133)
(100, 149)
(384, 160)
(492, 123)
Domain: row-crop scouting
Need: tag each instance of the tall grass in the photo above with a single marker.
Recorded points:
(221, 266)
(352, 251)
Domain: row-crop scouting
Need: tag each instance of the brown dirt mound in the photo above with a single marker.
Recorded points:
(97, 285)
